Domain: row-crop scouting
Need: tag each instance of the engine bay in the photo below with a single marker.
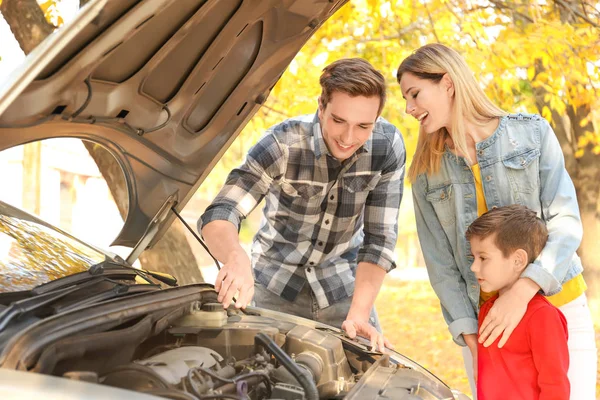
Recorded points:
(208, 353)
(202, 351)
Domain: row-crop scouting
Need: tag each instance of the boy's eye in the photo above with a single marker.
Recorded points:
(337, 121)
(363, 127)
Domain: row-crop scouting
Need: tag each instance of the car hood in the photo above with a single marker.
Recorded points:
(164, 85)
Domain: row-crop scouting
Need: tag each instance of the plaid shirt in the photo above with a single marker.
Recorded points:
(322, 217)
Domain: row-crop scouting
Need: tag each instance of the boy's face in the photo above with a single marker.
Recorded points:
(347, 122)
(493, 270)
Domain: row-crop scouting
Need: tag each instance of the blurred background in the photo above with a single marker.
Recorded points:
(530, 56)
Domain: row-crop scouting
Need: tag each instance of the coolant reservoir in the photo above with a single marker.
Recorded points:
(211, 315)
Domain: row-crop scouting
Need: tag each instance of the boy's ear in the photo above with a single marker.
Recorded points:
(520, 259)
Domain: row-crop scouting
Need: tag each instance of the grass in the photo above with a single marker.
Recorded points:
(410, 315)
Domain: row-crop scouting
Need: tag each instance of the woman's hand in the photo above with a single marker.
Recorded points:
(507, 312)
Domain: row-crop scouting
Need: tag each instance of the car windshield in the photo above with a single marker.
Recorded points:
(33, 253)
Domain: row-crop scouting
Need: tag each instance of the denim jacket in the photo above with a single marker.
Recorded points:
(520, 163)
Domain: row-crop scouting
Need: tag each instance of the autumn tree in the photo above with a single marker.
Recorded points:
(537, 57)
(29, 23)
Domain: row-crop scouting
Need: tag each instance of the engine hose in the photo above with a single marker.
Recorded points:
(250, 380)
(302, 376)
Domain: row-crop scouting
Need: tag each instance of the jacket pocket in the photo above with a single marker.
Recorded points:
(442, 200)
(522, 168)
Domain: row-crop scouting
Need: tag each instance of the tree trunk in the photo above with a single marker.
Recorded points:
(27, 22)
(587, 184)
(585, 173)
(172, 254)
(32, 169)
(562, 134)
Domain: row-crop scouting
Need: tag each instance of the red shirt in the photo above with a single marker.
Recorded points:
(533, 363)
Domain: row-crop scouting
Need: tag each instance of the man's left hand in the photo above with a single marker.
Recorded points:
(368, 331)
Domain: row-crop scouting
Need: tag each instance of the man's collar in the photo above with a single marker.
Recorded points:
(320, 147)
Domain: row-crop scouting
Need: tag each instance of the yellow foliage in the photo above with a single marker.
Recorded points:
(583, 141)
(513, 59)
(50, 10)
(546, 113)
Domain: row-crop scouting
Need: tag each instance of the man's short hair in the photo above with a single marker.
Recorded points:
(353, 76)
(515, 227)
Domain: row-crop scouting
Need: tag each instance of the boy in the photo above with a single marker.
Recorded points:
(533, 364)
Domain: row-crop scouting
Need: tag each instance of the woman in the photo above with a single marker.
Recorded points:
(472, 156)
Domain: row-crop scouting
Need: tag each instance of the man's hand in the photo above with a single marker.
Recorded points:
(235, 276)
(368, 331)
(507, 312)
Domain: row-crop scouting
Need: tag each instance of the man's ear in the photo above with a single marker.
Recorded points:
(448, 84)
(321, 109)
(521, 260)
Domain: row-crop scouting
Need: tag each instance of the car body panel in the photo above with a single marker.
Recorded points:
(21, 385)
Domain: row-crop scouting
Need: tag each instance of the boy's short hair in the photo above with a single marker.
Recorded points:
(355, 77)
(515, 227)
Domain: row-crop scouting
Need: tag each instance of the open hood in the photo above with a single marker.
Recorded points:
(164, 85)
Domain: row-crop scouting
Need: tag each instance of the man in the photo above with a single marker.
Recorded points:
(333, 184)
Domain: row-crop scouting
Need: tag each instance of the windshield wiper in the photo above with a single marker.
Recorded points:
(24, 306)
(31, 304)
(107, 269)
(118, 290)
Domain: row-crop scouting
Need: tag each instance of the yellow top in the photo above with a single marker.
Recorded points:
(481, 205)
(570, 290)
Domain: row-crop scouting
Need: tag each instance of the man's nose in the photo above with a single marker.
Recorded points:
(347, 136)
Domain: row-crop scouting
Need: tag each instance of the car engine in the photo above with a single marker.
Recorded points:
(160, 344)
(212, 353)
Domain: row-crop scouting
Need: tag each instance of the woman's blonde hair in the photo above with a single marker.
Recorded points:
(432, 62)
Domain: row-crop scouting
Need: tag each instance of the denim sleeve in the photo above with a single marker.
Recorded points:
(445, 278)
(561, 213)
(381, 210)
(246, 185)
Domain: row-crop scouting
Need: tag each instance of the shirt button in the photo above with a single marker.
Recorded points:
(494, 207)
(474, 286)
(308, 269)
(326, 222)
(331, 197)
(488, 178)
(320, 243)
(311, 263)
(480, 152)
